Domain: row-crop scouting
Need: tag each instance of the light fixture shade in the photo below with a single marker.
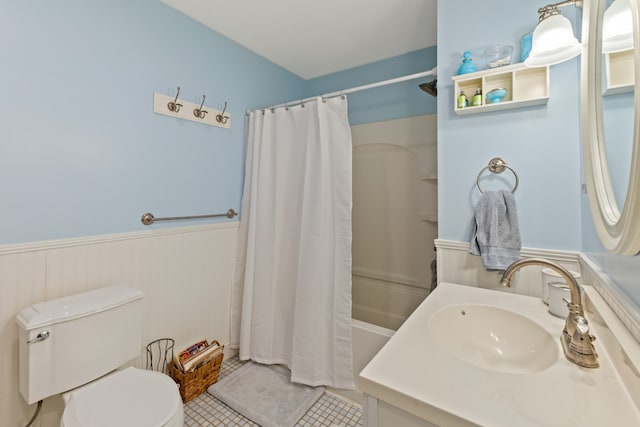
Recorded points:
(617, 27)
(553, 42)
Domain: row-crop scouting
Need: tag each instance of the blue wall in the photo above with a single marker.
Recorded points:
(82, 152)
(540, 143)
(384, 103)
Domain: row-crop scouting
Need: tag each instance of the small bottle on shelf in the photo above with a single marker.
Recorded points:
(462, 100)
(477, 98)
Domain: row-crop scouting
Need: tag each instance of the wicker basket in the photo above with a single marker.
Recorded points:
(194, 383)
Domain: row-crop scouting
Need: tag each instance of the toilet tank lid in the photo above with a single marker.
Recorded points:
(74, 306)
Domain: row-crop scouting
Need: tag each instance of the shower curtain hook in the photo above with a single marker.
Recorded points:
(173, 105)
(221, 118)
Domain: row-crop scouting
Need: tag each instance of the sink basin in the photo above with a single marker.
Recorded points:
(494, 339)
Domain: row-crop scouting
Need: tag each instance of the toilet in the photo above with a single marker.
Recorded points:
(77, 345)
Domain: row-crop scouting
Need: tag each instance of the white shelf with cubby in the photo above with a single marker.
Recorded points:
(525, 87)
(619, 72)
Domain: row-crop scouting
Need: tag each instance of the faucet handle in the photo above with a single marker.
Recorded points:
(581, 324)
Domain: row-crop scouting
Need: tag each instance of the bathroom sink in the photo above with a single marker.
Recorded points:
(493, 338)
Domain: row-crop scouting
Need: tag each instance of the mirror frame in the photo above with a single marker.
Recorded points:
(618, 231)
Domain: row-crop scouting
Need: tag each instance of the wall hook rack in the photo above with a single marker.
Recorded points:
(221, 118)
(181, 109)
(199, 112)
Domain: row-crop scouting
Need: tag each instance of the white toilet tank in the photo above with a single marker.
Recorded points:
(67, 342)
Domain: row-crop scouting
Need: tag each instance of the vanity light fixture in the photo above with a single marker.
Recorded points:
(617, 27)
(553, 39)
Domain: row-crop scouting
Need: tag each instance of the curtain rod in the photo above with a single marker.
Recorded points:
(432, 72)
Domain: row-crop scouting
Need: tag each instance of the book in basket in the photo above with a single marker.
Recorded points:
(197, 355)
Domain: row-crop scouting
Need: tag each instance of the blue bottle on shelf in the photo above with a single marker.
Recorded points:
(467, 64)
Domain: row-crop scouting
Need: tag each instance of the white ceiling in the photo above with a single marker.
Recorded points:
(312, 38)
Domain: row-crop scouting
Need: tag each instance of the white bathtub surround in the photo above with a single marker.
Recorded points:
(449, 391)
(385, 303)
(185, 273)
(394, 217)
(292, 290)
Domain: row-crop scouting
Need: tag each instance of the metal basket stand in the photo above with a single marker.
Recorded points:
(159, 353)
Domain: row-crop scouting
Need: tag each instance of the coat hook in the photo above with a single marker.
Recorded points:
(221, 118)
(173, 105)
(199, 112)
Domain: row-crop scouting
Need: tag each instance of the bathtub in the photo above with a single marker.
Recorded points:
(367, 340)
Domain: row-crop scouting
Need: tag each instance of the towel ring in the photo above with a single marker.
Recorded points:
(497, 165)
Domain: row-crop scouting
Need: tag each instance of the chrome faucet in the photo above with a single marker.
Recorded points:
(576, 340)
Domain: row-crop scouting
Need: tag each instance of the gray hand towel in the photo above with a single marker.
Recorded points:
(496, 236)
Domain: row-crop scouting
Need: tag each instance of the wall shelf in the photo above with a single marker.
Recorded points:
(525, 87)
(619, 72)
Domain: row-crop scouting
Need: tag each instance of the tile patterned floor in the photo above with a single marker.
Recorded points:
(329, 411)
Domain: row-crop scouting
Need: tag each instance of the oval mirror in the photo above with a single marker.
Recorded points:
(618, 226)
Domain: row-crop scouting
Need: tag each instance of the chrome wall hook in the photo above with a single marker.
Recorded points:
(199, 112)
(221, 118)
(174, 106)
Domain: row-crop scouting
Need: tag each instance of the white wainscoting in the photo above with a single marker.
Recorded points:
(457, 265)
(185, 273)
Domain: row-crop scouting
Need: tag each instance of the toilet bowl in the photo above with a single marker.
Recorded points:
(130, 397)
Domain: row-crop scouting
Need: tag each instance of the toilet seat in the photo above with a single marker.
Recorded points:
(131, 397)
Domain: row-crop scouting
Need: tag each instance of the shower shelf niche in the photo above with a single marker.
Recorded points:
(525, 87)
(433, 178)
(429, 218)
(619, 72)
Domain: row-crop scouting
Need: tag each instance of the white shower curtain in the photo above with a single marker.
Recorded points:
(291, 300)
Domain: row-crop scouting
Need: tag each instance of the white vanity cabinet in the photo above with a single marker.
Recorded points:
(525, 87)
(420, 379)
(378, 413)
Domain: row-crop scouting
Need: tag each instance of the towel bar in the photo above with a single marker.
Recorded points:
(148, 218)
(497, 165)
